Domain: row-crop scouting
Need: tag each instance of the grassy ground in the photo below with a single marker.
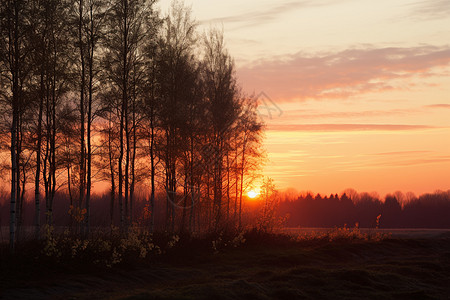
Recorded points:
(265, 267)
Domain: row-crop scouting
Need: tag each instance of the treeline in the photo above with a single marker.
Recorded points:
(97, 90)
(397, 210)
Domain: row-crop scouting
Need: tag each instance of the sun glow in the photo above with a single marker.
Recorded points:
(252, 194)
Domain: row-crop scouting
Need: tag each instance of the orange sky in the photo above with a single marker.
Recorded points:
(359, 90)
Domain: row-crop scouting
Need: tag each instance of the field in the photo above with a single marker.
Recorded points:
(394, 232)
(264, 267)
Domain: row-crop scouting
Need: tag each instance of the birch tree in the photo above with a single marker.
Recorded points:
(15, 49)
(128, 23)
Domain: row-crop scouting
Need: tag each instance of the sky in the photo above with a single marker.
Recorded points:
(355, 93)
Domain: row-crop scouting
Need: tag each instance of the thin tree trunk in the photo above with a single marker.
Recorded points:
(69, 177)
(242, 182)
(127, 168)
(12, 224)
(82, 113)
(89, 121)
(218, 183)
(152, 161)
(228, 187)
(236, 181)
(69, 180)
(191, 165)
(174, 195)
(120, 167)
(37, 216)
(185, 194)
(53, 142)
(19, 203)
(124, 116)
(46, 161)
(112, 171)
(209, 207)
(167, 198)
(14, 59)
(133, 154)
(14, 181)
(23, 178)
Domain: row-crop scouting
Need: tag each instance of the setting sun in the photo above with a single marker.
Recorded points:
(252, 194)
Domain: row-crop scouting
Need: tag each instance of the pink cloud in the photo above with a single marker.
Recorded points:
(316, 114)
(416, 161)
(347, 127)
(342, 74)
(402, 153)
(438, 106)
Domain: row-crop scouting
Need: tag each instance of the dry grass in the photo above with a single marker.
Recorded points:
(262, 266)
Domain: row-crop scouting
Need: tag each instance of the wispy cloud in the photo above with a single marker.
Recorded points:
(351, 165)
(316, 114)
(439, 106)
(260, 14)
(397, 153)
(347, 127)
(416, 161)
(342, 74)
(391, 160)
(431, 9)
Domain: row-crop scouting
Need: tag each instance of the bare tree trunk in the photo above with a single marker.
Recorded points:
(191, 165)
(46, 161)
(127, 166)
(113, 196)
(82, 103)
(123, 128)
(69, 176)
(12, 224)
(184, 208)
(236, 181)
(89, 119)
(133, 154)
(209, 207)
(218, 181)
(174, 194)
(49, 170)
(14, 57)
(125, 102)
(133, 169)
(22, 164)
(14, 179)
(53, 143)
(120, 168)
(112, 171)
(242, 183)
(37, 216)
(19, 199)
(152, 162)
(167, 179)
(228, 187)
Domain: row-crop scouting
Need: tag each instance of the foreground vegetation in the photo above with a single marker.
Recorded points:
(342, 264)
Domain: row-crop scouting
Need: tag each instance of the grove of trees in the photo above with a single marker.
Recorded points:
(111, 91)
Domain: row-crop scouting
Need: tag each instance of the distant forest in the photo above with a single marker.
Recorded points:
(397, 210)
(114, 92)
